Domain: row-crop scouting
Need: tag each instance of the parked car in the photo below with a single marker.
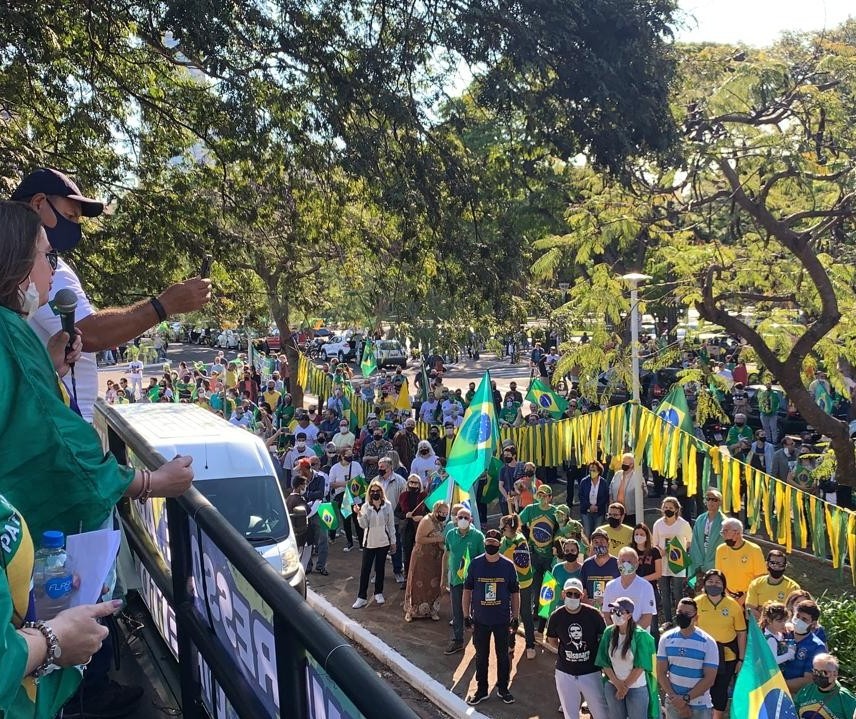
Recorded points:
(339, 347)
(390, 352)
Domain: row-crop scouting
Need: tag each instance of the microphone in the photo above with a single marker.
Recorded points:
(65, 302)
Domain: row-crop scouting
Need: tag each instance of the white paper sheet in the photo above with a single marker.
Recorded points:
(92, 555)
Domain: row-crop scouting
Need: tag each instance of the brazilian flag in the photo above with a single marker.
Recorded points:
(368, 364)
(675, 410)
(357, 487)
(760, 689)
(347, 501)
(546, 398)
(676, 556)
(464, 566)
(328, 515)
(477, 439)
(490, 489)
(548, 595)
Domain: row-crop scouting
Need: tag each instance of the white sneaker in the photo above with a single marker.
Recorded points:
(360, 603)
(378, 599)
(399, 578)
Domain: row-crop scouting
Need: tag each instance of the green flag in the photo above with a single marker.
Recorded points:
(347, 502)
(328, 515)
(822, 397)
(441, 493)
(675, 410)
(490, 489)
(546, 398)
(676, 556)
(357, 487)
(547, 598)
(477, 439)
(760, 689)
(368, 364)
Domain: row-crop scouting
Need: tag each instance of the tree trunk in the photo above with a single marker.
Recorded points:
(281, 311)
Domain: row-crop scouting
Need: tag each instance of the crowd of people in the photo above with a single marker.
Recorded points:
(680, 590)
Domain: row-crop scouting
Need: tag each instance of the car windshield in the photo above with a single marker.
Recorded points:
(252, 505)
(389, 345)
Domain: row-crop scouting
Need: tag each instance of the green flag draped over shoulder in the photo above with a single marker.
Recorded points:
(547, 598)
(676, 556)
(760, 689)
(477, 439)
(368, 364)
(328, 515)
(546, 398)
(675, 410)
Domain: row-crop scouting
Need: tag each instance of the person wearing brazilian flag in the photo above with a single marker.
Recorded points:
(539, 524)
(463, 542)
(515, 547)
(673, 536)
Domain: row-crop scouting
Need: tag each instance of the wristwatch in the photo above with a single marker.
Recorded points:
(686, 698)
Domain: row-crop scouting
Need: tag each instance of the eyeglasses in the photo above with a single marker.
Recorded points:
(53, 258)
(575, 595)
(711, 499)
(618, 612)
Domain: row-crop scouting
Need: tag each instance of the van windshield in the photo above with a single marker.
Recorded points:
(252, 505)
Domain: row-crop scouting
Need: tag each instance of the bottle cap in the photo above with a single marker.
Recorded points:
(52, 539)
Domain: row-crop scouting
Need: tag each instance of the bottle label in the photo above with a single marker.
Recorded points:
(58, 586)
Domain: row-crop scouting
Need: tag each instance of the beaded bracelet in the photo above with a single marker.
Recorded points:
(54, 651)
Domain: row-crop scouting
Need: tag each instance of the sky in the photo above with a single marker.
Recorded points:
(758, 22)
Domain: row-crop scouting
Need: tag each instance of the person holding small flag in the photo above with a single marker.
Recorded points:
(672, 535)
(539, 525)
(515, 547)
(342, 473)
(462, 542)
(722, 618)
(491, 607)
(376, 519)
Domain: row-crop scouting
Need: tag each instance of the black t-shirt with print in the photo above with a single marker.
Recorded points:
(579, 636)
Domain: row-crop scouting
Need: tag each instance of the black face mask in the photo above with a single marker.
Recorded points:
(731, 542)
(669, 513)
(374, 496)
(821, 681)
(378, 437)
(614, 522)
(775, 573)
(413, 490)
(571, 556)
(65, 235)
(491, 549)
(683, 621)
(442, 517)
(625, 467)
(529, 474)
(507, 459)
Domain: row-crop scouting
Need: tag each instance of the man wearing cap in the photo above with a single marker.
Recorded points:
(597, 571)
(60, 205)
(491, 607)
(514, 395)
(631, 585)
(300, 450)
(405, 442)
(575, 630)
(773, 586)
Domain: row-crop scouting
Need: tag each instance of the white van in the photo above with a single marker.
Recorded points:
(232, 468)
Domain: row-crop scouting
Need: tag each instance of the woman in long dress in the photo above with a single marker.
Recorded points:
(422, 596)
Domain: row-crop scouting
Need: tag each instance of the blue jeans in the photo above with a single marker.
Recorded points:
(457, 595)
(591, 522)
(633, 706)
(697, 712)
(398, 555)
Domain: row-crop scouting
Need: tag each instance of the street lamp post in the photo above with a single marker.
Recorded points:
(633, 279)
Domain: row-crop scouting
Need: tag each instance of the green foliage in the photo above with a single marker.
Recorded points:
(838, 617)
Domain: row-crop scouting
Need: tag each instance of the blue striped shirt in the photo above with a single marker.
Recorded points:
(687, 658)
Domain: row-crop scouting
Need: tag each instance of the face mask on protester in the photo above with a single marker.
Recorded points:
(374, 496)
(821, 681)
(491, 549)
(572, 603)
(713, 590)
(625, 467)
(801, 626)
(529, 473)
(441, 517)
(775, 573)
(571, 556)
(463, 523)
(640, 538)
(300, 445)
(731, 542)
(683, 620)
(65, 235)
(627, 568)
(619, 620)
(30, 301)
(614, 522)
(669, 513)
(601, 551)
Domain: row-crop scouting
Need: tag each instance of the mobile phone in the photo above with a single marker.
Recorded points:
(205, 270)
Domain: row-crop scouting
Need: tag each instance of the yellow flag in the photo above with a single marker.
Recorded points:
(403, 401)
(691, 469)
(736, 467)
(851, 543)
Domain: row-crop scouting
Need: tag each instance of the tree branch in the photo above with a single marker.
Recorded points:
(756, 297)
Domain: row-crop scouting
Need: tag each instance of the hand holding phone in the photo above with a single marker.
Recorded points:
(205, 269)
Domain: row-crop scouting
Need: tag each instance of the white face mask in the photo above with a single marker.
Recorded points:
(463, 523)
(619, 620)
(572, 603)
(640, 538)
(31, 300)
(800, 626)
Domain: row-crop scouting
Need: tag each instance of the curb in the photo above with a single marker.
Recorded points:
(420, 680)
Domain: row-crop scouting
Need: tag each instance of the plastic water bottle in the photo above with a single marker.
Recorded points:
(52, 576)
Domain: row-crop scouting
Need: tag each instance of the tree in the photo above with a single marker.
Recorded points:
(751, 227)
